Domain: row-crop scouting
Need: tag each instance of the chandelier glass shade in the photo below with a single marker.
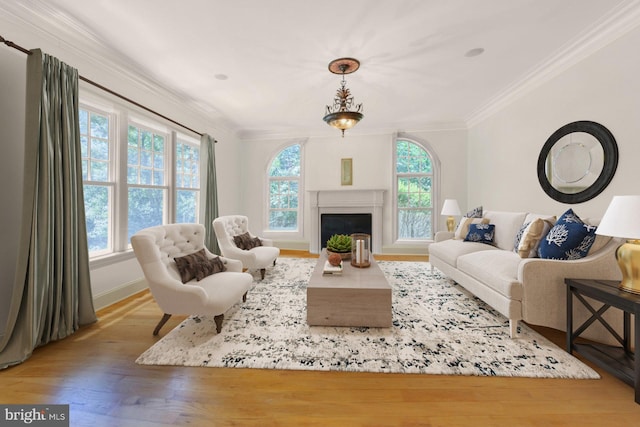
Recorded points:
(343, 113)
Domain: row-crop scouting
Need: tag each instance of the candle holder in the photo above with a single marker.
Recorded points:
(360, 250)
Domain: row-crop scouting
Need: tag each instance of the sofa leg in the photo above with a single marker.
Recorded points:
(161, 323)
(262, 271)
(513, 328)
(244, 297)
(218, 319)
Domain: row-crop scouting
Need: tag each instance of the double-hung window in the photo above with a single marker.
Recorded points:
(187, 166)
(98, 159)
(147, 178)
(136, 173)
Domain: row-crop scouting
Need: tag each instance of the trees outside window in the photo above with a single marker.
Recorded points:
(414, 191)
(284, 189)
(187, 164)
(96, 139)
(147, 187)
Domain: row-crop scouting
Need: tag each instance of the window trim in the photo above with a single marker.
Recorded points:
(435, 188)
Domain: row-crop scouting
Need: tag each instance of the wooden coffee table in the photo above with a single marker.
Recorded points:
(357, 297)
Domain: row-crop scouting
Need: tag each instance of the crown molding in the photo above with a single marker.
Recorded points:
(329, 132)
(61, 31)
(609, 28)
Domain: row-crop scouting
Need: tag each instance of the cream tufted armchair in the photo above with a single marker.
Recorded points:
(156, 247)
(261, 257)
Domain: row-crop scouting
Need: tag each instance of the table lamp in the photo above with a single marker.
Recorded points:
(450, 208)
(622, 219)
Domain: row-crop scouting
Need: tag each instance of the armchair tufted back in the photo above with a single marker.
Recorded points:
(166, 242)
(234, 225)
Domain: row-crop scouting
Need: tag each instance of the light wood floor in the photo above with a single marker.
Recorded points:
(94, 372)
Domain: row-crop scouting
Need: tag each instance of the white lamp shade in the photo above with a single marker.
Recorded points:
(450, 207)
(622, 218)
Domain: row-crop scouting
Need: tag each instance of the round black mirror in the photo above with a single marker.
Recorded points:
(577, 162)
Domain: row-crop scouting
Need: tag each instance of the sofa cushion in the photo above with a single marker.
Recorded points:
(481, 233)
(569, 238)
(449, 250)
(531, 216)
(497, 269)
(601, 239)
(507, 225)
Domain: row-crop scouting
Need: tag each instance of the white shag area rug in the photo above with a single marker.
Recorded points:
(438, 328)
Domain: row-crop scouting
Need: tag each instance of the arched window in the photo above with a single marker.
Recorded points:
(414, 190)
(284, 189)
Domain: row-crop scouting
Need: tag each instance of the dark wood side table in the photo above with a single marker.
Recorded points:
(618, 361)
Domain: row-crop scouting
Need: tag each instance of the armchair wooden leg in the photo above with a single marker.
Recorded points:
(161, 323)
(274, 262)
(244, 297)
(218, 319)
(262, 271)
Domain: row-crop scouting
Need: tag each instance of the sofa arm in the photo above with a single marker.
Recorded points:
(544, 289)
(601, 265)
(444, 235)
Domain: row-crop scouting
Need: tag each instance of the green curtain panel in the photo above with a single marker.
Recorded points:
(211, 199)
(52, 290)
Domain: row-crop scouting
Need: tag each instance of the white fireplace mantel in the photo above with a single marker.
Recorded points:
(346, 201)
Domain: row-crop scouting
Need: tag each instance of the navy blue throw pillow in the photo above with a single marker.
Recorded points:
(569, 238)
(481, 233)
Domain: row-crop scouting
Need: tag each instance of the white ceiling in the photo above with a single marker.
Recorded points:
(414, 74)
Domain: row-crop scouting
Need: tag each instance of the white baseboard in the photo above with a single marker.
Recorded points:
(115, 295)
(404, 250)
(294, 245)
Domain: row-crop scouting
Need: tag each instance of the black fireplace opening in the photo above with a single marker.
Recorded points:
(331, 224)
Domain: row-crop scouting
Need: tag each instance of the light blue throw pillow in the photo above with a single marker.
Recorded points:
(569, 238)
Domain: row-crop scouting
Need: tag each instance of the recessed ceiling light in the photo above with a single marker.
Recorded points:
(474, 52)
(221, 76)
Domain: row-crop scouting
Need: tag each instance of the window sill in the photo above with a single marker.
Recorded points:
(113, 258)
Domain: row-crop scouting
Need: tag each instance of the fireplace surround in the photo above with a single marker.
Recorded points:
(346, 202)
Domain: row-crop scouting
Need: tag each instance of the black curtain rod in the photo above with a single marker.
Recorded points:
(99, 86)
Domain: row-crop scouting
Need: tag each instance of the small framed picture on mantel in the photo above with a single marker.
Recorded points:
(346, 172)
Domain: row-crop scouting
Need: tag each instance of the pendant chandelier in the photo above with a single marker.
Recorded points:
(340, 114)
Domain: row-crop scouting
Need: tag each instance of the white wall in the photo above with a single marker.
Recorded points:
(503, 149)
(372, 169)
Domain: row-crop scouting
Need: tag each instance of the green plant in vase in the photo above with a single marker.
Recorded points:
(340, 244)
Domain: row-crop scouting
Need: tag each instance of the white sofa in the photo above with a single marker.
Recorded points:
(529, 289)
